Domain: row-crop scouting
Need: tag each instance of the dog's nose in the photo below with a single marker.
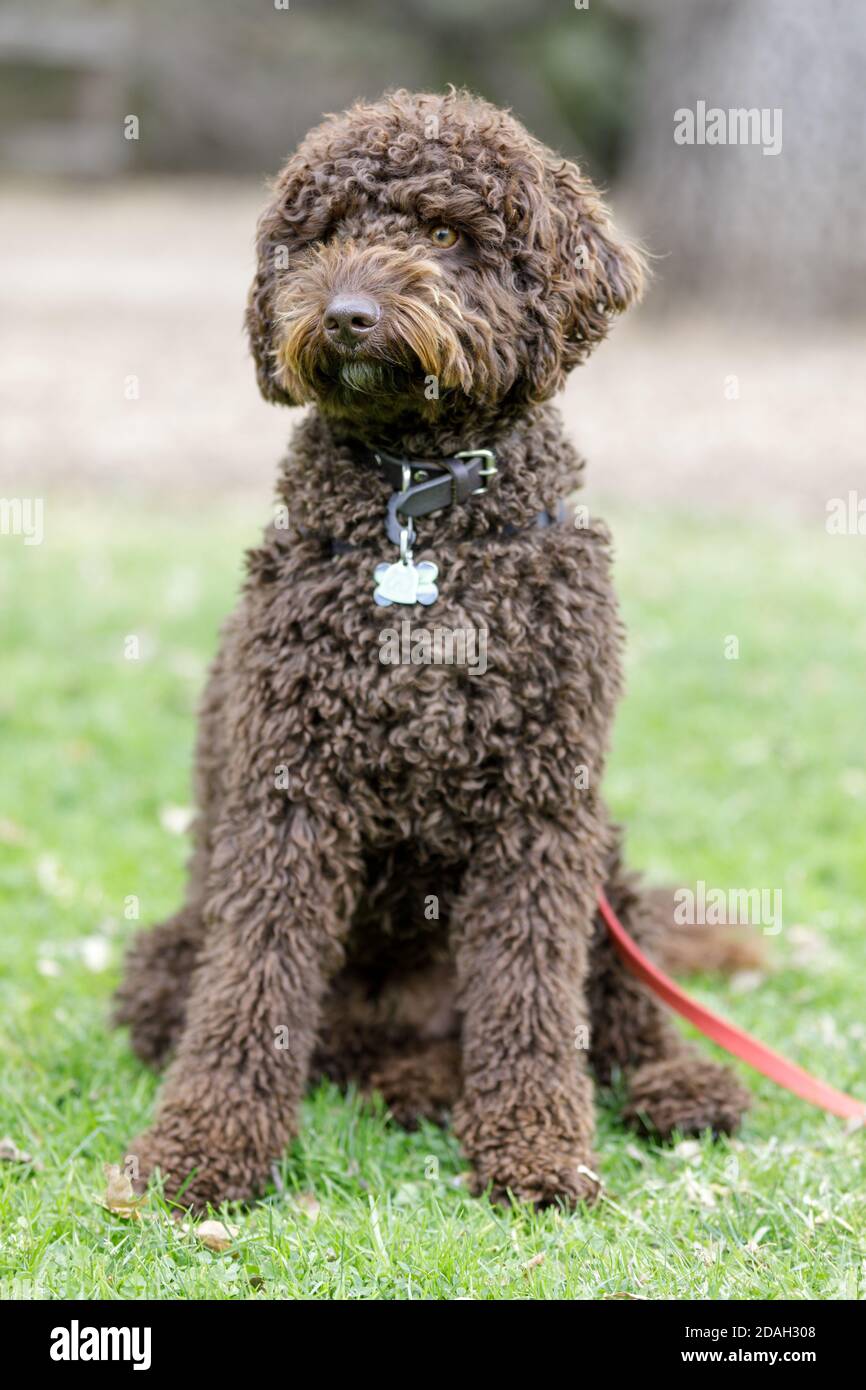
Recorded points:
(350, 316)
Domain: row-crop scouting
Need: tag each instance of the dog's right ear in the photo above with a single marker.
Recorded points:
(272, 256)
(298, 214)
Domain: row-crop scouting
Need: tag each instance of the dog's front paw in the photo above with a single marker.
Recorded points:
(541, 1178)
(195, 1174)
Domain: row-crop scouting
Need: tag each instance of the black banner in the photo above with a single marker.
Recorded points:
(232, 1338)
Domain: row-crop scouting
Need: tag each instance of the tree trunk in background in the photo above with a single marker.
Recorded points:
(756, 233)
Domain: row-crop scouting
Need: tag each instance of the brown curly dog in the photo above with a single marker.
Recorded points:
(398, 849)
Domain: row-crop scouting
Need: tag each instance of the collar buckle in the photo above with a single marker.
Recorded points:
(488, 471)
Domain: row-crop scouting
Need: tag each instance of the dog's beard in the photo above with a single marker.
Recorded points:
(361, 376)
(400, 370)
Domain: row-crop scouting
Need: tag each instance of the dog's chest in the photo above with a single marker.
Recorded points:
(392, 686)
(426, 716)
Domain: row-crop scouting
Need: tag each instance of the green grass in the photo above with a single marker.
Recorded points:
(746, 772)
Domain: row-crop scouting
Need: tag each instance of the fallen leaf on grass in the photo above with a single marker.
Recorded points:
(752, 1245)
(533, 1263)
(746, 981)
(309, 1205)
(10, 1152)
(808, 947)
(707, 1254)
(51, 878)
(702, 1193)
(215, 1235)
(687, 1151)
(120, 1199)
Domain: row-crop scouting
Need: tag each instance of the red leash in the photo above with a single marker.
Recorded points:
(733, 1039)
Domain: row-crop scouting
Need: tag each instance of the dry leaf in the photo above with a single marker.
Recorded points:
(810, 950)
(51, 878)
(707, 1254)
(534, 1262)
(10, 833)
(752, 1245)
(308, 1204)
(120, 1197)
(699, 1192)
(215, 1235)
(688, 1151)
(10, 1152)
(747, 981)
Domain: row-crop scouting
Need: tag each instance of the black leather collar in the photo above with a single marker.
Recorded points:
(422, 486)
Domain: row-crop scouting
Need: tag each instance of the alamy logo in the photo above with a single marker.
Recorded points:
(739, 125)
(76, 1343)
(720, 907)
(436, 646)
(22, 516)
(846, 516)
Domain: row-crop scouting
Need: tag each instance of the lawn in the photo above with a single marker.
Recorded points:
(744, 772)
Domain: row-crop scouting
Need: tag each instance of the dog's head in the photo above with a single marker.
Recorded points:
(426, 252)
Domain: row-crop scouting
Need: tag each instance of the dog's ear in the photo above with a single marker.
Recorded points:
(271, 259)
(595, 273)
(298, 213)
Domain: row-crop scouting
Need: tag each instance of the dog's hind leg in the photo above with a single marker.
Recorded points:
(157, 976)
(400, 1038)
(420, 1081)
(158, 969)
(671, 1086)
(151, 998)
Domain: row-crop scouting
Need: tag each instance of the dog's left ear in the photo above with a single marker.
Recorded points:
(595, 272)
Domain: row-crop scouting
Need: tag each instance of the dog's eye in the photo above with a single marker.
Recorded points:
(441, 235)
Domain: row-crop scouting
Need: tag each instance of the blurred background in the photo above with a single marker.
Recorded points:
(126, 260)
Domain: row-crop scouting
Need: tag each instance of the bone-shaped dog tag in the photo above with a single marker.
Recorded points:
(397, 583)
(404, 582)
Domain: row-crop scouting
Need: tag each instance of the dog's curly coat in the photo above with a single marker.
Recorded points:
(305, 918)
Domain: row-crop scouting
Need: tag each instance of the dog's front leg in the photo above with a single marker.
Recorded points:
(280, 897)
(523, 926)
